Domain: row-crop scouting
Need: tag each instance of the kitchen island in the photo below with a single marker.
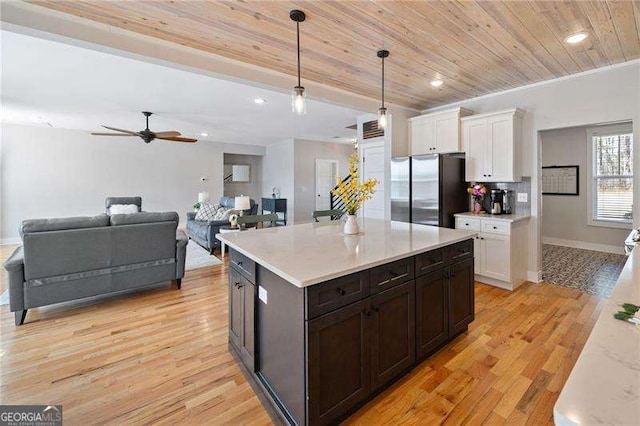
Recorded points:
(323, 322)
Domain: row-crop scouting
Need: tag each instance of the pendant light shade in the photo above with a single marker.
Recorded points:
(382, 111)
(298, 96)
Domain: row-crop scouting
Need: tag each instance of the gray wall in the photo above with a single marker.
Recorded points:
(566, 217)
(277, 170)
(55, 172)
(305, 155)
(254, 188)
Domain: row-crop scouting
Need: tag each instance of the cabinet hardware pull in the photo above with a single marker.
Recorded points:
(237, 283)
(241, 285)
(466, 224)
(340, 291)
(495, 227)
(239, 263)
(482, 238)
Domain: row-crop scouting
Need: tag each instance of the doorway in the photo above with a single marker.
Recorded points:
(326, 175)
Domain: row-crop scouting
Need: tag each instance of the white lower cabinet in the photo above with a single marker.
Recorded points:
(499, 249)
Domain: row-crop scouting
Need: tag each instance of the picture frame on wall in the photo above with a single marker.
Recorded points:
(561, 180)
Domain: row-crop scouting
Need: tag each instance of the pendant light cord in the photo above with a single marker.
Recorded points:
(383, 82)
(298, 37)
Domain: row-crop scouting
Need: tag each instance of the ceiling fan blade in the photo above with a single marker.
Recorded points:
(177, 139)
(167, 134)
(123, 131)
(113, 134)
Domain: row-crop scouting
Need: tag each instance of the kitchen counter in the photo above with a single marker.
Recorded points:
(512, 218)
(604, 385)
(311, 253)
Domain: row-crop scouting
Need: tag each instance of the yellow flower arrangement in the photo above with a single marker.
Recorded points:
(353, 193)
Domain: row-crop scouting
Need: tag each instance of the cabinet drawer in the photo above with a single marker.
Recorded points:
(496, 227)
(243, 264)
(430, 261)
(391, 275)
(459, 251)
(328, 296)
(468, 223)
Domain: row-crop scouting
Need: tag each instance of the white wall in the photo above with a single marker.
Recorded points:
(277, 171)
(254, 188)
(305, 154)
(601, 96)
(55, 173)
(566, 217)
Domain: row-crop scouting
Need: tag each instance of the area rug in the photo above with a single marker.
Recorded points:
(593, 272)
(197, 257)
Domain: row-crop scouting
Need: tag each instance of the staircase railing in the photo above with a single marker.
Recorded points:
(335, 202)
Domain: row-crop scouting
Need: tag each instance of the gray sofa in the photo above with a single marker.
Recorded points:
(204, 232)
(72, 258)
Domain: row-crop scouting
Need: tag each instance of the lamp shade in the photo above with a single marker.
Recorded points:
(242, 203)
(203, 197)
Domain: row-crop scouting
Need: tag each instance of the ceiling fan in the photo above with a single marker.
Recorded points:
(146, 134)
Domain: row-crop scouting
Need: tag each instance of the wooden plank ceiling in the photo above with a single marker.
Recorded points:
(475, 47)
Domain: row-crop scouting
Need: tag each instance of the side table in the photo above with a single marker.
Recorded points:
(224, 230)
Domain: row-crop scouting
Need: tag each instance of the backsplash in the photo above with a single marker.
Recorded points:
(516, 187)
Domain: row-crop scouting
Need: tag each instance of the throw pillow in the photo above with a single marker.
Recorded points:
(123, 209)
(207, 212)
(223, 214)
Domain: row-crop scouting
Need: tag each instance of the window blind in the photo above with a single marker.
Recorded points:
(613, 175)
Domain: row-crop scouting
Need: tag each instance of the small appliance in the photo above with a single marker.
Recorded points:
(496, 201)
(507, 201)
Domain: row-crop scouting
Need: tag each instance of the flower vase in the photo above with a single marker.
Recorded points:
(477, 207)
(351, 225)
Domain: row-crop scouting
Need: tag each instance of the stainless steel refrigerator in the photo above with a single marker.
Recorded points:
(428, 189)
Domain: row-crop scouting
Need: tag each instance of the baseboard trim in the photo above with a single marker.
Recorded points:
(492, 281)
(10, 241)
(534, 277)
(583, 245)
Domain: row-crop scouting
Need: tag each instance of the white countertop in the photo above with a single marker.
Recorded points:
(311, 253)
(604, 385)
(512, 218)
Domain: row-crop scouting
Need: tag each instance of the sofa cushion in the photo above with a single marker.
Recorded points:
(207, 212)
(59, 224)
(223, 214)
(143, 217)
(198, 230)
(123, 209)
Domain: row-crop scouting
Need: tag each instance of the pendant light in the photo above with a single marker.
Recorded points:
(298, 96)
(382, 112)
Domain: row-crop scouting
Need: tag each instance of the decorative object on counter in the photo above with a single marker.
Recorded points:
(477, 192)
(233, 220)
(353, 194)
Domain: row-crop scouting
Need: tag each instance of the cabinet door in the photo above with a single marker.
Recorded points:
(474, 134)
(422, 136)
(393, 345)
(461, 296)
(447, 133)
(499, 161)
(432, 311)
(339, 373)
(496, 256)
(236, 306)
(247, 350)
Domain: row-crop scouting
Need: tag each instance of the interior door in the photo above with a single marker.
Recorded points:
(326, 174)
(475, 142)
(373, 167)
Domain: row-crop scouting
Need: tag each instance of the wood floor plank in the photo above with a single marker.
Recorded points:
(161, 356)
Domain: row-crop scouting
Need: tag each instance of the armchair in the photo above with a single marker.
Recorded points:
(204, 232)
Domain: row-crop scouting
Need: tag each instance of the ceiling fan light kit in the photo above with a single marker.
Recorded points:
(298, 96)
(382, 111)
(147, 135)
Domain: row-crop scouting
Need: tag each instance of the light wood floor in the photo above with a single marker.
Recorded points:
(161, 356)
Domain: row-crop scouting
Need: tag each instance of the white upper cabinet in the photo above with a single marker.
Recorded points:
(436, 133)
(492, 143)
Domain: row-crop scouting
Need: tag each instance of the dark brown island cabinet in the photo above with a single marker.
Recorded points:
(320, 352)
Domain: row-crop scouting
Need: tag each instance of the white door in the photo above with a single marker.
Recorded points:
(326, 174)
(373, 166)
(496, 259)
(422, 136)
(474, 134)
(499, 162)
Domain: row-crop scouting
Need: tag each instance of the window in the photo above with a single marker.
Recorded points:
(611, 183)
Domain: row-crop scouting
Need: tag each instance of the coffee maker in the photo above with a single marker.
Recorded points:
(507, 201)
(496, 206)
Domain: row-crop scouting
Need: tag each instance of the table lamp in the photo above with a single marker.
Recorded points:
(203, 197)
(242, 204)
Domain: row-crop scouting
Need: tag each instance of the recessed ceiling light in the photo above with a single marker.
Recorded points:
(260, 101)
(205, 134)
(576, 38)
(437, 83)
